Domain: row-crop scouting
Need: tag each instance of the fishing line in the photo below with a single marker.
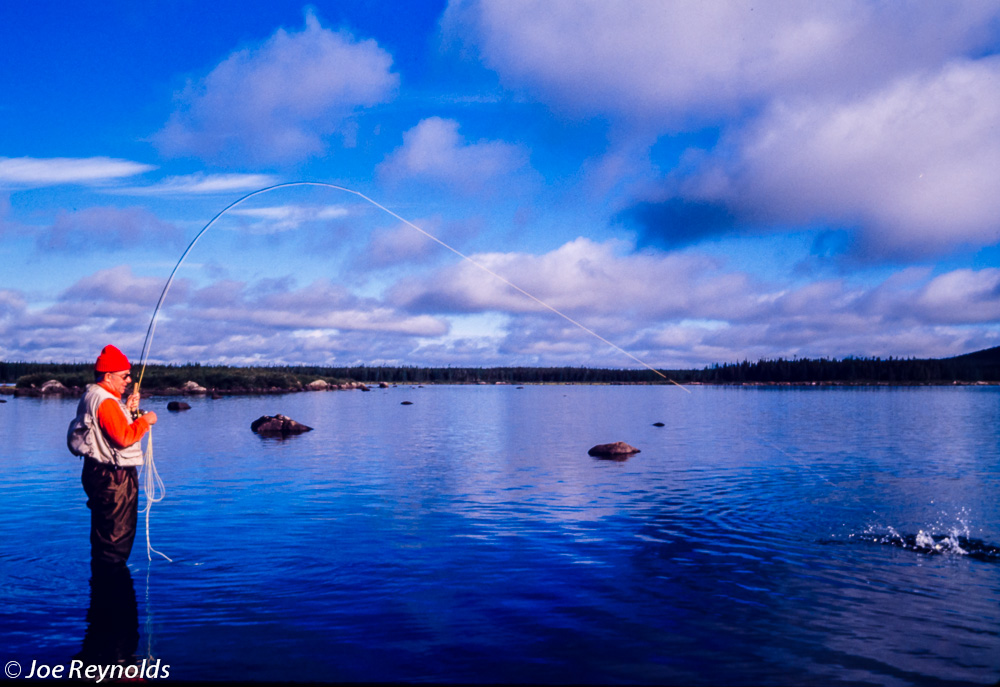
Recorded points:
(153, 488)
(152, 323)
(153, 485)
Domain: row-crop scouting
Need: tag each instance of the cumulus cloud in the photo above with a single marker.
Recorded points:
(279, 102)
(685, 309)
(878, 119)
(664, 310)
(962, 296)
(434, 151)
(912, 170)
(21, 172)
(106, 228)
(684, 60)
(582, 277)
(227, 321)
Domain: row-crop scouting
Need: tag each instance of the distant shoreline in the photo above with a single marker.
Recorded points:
(170, 392)
(981, 368)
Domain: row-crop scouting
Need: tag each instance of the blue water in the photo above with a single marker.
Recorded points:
(764, 535)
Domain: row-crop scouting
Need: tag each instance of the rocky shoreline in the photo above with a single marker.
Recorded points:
(54, 388)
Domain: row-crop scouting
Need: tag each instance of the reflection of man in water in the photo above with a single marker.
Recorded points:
(112, 454)
(112, 634)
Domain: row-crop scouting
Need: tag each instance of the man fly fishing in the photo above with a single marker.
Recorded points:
(106, 435)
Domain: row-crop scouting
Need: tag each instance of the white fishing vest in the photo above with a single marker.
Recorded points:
(95, 445)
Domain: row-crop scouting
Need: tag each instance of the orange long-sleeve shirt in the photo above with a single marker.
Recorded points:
(116, 426)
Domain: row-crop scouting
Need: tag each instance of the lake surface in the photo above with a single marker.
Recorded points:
(764, 535)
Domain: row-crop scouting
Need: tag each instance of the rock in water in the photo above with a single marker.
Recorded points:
(178, 405)
(617, 450)
(659, 424)
(278, 425)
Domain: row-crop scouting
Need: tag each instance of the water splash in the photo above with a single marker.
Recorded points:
(936, 540)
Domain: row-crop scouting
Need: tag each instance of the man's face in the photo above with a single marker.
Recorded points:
(118, 380)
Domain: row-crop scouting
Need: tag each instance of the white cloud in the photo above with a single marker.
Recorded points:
(201, 184)
(689, 60)
(434, 151)
(279, 102)
(668, 310)
(581, 277)
(914, 168)
(53, 171)
(269, 220)
(674, 309)
(960, 297)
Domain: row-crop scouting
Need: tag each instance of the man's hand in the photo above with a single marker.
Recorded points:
(150, 417)
(133, 402)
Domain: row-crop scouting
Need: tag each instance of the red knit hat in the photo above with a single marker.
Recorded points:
(111, 360)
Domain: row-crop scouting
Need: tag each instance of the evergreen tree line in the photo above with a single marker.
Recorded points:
(856, 371)
(974, 367)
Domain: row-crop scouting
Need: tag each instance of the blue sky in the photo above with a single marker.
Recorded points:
(696, 182)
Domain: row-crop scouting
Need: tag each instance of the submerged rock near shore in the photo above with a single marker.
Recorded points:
(616, 451)
(278, 425)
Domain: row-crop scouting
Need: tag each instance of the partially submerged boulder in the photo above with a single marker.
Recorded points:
(318, 385)
(616, 451)
(177, 406)
(278, 425)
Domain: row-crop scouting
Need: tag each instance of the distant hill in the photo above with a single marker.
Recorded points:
(987, 356)
(979, 366)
